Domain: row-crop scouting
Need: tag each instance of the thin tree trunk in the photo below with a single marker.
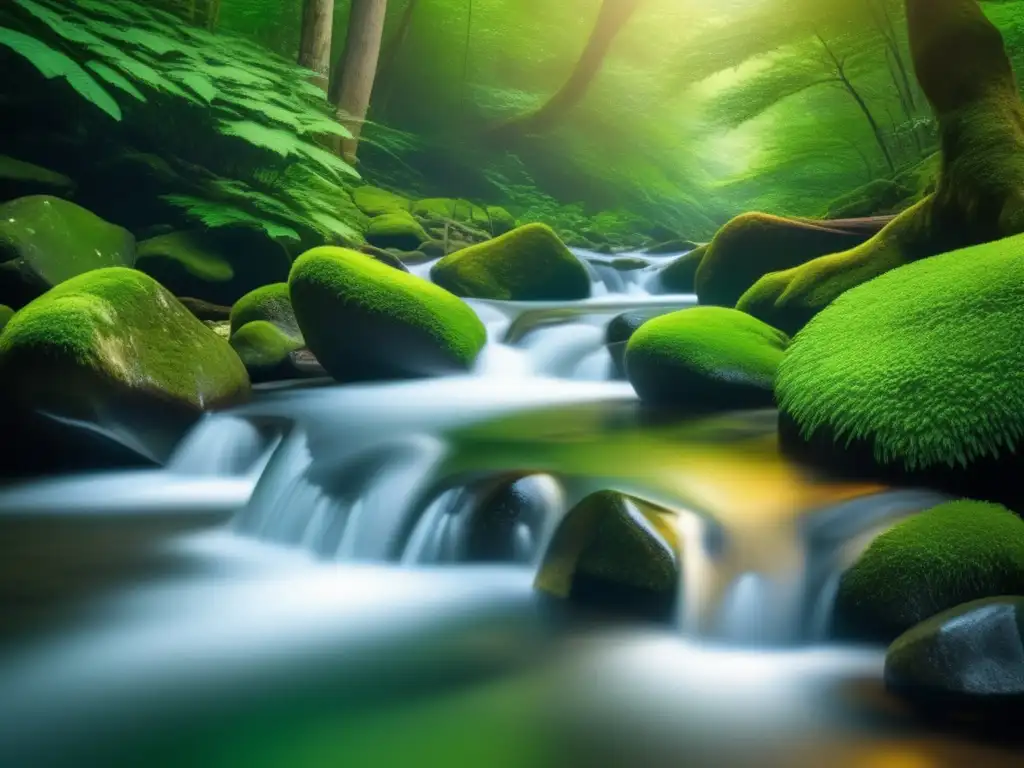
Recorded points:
(844, 81)
(315, 43)
(389, 58)
(611, 20)
(358, 68)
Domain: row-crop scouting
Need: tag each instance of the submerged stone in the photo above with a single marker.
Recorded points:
(967, 661)
(45, 241)
(617, 553)
(505, 521)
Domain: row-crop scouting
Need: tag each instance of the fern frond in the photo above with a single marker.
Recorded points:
(115, 78)
(52, 63)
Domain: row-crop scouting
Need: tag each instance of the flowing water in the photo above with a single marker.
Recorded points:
(304, 584)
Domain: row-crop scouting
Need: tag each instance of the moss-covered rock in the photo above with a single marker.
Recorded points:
(680, 275)
(628, 264)
(113, 354)
(216, 265)
(961, 62)
(393, 257)
(396, 230)
(754, 244)
(527, 264)
(449, 208)
(707, 357)
(614, 552)
(21, 179)
(908, 375)
(364, 320)
(948, 555)
(6, 313)
(206, 310)
(499, 221)
(270, 303)
(374, 201)
(45, 240)
(266, 351)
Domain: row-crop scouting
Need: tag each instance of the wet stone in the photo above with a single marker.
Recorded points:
(617, 554)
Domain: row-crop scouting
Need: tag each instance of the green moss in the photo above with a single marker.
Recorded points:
(365, 320)
(946, 556)
(45, 241)
(113, 332)
(374, 201)
(19, 179)
(448, 208)
(705, 357)
(271, 303)
(500, 221)
(680, 275)
(917, 362)
(6, 313)
(755, 244)
(265, 350)
(218, 265)
(396, 230)
(609, 547)
(962, 65)
(876, 197)
(527, 264)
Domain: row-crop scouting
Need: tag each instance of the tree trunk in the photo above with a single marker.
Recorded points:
(389, 58)
(315, 43)
(844, 81)
(357, 69)
(611, 20)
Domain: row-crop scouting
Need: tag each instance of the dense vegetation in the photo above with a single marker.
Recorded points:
(692, 112)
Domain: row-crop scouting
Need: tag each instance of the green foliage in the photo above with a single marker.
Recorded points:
(946, 556)
(705, 357)
(247, 118)
(915, 363)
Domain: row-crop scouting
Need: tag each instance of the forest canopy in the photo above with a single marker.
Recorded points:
(663, 115)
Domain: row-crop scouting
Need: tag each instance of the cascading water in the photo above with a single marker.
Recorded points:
(378, 539)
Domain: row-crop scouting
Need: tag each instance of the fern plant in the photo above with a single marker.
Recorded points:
(250, 121)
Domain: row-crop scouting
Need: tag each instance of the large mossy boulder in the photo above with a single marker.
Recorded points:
(267, 352)
(22, 179)
(374, 201)
(217, 265)
(680, 275)
(704, 358)
(45, 240)
(946, 556)
(616, 553)
(967, 662)
(529, 263)
(396, 230)
(961, 63)
(911, 377)
(754, 244)
(271, 303)
(366, 321)
(109, 362)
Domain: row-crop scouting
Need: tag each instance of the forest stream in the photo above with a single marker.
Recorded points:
(322, 577)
